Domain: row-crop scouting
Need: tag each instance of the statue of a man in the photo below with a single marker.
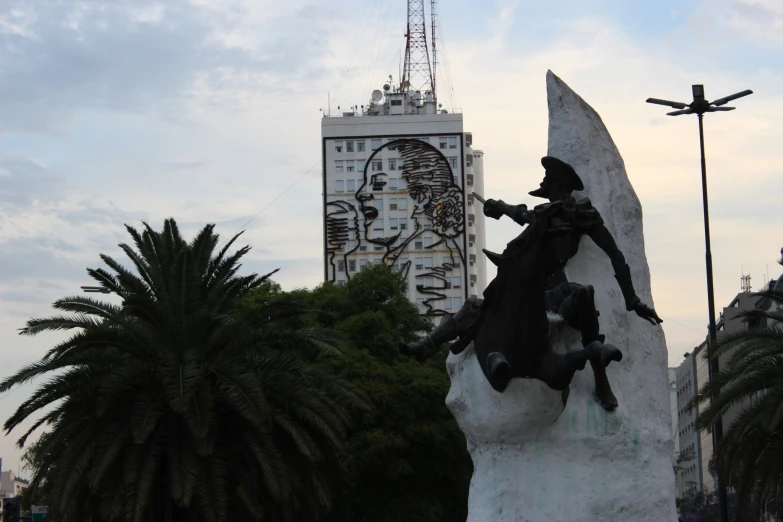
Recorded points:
(567, 220)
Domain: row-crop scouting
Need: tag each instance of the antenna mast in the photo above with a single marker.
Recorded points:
(417, 72)
(433, 19)
(745, 283)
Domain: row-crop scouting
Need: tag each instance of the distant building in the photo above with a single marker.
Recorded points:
(398, 179)
(695, 446)
(11, 485)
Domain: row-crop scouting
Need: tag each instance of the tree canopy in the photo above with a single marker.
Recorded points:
(173, 406)
(749, 456)
(406, 459)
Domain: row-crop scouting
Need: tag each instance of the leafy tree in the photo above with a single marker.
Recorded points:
(406, 458)
(750, 453)
(32, 460)
(704, 507)
(172, 406)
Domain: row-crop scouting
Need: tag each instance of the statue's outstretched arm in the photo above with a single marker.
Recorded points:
(622, 272)
(498, 208)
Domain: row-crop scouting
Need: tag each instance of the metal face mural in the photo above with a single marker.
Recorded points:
(434, 208)
(342, 236)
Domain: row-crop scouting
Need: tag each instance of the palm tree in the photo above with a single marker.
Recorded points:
(750, 453)
(173, 407)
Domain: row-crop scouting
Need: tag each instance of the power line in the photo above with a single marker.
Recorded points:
(355, 45)
(300, 178)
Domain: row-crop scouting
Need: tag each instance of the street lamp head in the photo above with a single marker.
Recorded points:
(95, 289)
(668, 103)
(698, 93)
(727, 99)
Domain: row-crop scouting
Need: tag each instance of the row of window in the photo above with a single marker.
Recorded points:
(449, 303)
(440, 282)
(687, 427)
(444, 142)
(377, 164)
(420, 263)
(351, 185)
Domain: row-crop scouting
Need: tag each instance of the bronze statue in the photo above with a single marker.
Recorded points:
(509, 327)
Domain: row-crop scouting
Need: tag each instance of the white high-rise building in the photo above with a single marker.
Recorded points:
(398, 178)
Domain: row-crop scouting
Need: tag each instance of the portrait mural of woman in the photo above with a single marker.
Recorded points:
(342, 236)
(436, 207)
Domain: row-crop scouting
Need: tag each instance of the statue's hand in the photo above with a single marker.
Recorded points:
(493, 208)
(648, 313)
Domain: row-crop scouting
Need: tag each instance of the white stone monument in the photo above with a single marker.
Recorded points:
(536, 461)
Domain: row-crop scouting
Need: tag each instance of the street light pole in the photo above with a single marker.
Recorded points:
(699, 106)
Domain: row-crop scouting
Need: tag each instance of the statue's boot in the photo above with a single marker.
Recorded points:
(603, 355)
(445, 331)
(499, 371)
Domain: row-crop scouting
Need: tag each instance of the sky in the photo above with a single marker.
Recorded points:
(208, 111)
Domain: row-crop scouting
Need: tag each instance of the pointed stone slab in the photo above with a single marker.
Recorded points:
(535, 460)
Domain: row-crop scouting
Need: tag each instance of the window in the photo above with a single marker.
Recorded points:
(392, 183)
(341, 283)
(348, 146)
(401, 185)
(363, 248)
(418, 245)
(396, 102)
(456, 264)
(377, 248)
(392, 164)
(352, 265)
(349, 166)
(457, 303)
(444, 143)
(425, 139)
(377, 165)
(403, 223)
(419, 263)
(360, 146)
(447, 303)
(402, 204)
(375, 144)
(427, 242)
(339, 185)
(452, 142)
(350, 185)
(377, 224)
(456, 282)
(338, 166)
(341, 266)
(420, 302)
(429, 282)
(338, 146)
(427, 262)
(393, 223)
(453, 162)
(378, 203)
(362, 264)
(392, 203)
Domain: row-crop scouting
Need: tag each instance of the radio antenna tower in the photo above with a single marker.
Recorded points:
(417, 71)
(433, 19)
(745, 283)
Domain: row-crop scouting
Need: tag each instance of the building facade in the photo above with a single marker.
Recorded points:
(695, 446)
(398, 178)
(11, 485)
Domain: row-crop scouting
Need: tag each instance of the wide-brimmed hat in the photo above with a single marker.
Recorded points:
(559, 171)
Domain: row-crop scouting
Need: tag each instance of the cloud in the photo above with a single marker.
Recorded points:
(25, 182)
(207, 111)
(140, 56)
